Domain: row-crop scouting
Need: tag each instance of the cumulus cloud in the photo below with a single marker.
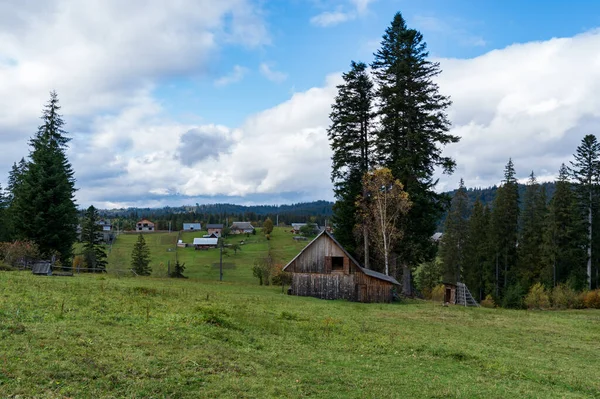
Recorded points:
(202, 143)
(104, 57)
(271, 74)
(533, 102)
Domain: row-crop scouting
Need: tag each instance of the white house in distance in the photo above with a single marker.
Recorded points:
(192, 227)
(144, 225)
(241, 227)
(205, 243)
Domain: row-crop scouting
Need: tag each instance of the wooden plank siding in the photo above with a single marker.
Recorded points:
(312, 275)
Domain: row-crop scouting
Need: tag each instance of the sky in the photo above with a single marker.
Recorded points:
(201, 101)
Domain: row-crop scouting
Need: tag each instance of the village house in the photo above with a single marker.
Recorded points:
(192, 227)
(107, 230)
(205, 243)
(241, 228)
(323, 269)
(214, 229)
(144, 225)
(296, 227)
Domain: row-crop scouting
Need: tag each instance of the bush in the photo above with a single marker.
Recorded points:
(488, 302)
(563, 297)
(513, 297)
(437, 293)
(592, 299)
(5, 268)
(280, 277)
(537, 298)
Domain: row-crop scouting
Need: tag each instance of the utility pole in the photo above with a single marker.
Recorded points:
(221, 261)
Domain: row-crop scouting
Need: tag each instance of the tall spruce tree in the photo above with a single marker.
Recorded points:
(91, 237)
(585, 172)
(565, 237)
(349, 134)
(44, 206)
(533, 217)
(477, 253)
(505, 229)
(455, 235)
(412, 132)
(140, 257)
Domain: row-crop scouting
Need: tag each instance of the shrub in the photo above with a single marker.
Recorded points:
(437, 293)
(263, 270)
(537, 298)
(513, 297)
(5, 268)
(18, 252)
(592, 299)
(488, 302)
(563, 297)
(579, 301)
(280, 277)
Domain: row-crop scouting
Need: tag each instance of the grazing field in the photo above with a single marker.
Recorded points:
(105, 337)
(204, 264)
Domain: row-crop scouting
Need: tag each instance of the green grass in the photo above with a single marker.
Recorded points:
(202, 264)
(105, 337)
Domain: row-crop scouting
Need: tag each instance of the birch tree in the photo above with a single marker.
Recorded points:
(382, 206)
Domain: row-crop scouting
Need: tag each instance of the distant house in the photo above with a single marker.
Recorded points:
(241, 227)
(323, 269)
(214, 228)
(213, 235)
(192, 227)
(296, 227)
(144, 225)
(205, 243)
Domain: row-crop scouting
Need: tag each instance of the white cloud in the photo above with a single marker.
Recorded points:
(355, 8)
(235, 76)
(271, 74)
(331, 18)
(105, 56)
(533, 102)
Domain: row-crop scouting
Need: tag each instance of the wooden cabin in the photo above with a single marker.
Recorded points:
(449, 293)
(323, 269)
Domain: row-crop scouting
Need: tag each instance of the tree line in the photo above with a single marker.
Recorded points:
(504, 249)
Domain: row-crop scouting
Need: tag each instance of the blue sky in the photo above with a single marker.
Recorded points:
(202, 101)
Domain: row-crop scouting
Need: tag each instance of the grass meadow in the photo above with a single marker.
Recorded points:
(109, 336)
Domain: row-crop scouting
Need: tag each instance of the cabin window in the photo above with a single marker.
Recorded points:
(337, 263)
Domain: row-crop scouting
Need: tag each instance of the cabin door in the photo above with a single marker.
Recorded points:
(448, 295)
(362, 293)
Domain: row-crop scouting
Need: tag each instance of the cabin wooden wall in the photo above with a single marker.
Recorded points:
(313, 258)
(372, 289)
(324, 286)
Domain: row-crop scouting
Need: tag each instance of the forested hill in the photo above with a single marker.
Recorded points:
(317, 211)
(487, 195)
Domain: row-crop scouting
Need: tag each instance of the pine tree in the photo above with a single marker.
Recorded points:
(91, 236)
(505, 228)
(564, 237)
(44, 208)
(349, 134)
(140, 257)
(4, 232)
(477, 253)
(13, 189)
(452, 249)
(178, 270)
(529, 265)
(585, 171)
(412, 133)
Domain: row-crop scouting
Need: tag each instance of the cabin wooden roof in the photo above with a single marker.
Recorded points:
(368, 272)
